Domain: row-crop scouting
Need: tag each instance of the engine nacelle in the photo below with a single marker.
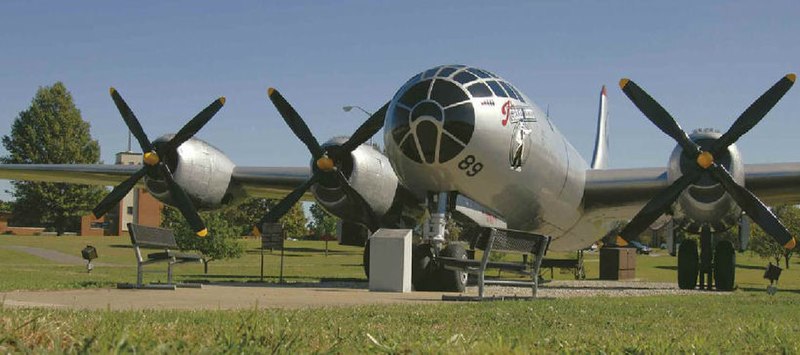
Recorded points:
(705, 203)
(370, 173)
(202, 170)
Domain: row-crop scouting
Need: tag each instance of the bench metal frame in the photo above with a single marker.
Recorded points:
(156, 238)
(502, 240)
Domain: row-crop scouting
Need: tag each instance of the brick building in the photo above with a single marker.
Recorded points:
(137, 207)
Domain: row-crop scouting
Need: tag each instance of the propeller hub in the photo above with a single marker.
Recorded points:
(325, 163)
(705, 159)
(151, 158)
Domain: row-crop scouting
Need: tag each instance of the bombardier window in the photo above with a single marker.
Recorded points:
(479, 90)
(464, 77)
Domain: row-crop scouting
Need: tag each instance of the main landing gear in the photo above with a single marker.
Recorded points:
(716, 266)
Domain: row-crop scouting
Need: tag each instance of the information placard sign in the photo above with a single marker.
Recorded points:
(272, 236)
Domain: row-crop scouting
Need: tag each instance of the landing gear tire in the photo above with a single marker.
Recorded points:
(724, 266)
(365, 259)
(451, 280)
(422, 273)
(688, 265)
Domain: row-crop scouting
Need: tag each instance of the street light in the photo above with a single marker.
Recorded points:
(369, 114)
(350, 108)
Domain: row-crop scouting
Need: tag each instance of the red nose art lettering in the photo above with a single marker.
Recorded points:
(505, 110)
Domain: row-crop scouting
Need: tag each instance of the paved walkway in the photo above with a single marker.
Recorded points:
(303, 296)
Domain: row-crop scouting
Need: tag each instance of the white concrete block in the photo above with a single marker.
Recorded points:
(390, 260)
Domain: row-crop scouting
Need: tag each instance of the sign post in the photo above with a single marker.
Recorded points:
(272, 238)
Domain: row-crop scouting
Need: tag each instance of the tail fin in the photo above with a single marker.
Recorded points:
(600, 157)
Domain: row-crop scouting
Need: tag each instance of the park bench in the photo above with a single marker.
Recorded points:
(501, 240)
(574, 265)
(144, 237)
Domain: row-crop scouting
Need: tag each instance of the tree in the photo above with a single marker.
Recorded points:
(323, 223)
(294, 222)
(765, 246)
(246, 215)
(222, 241)
(51, 131)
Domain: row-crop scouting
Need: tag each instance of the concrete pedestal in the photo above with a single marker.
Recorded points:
(390, 260)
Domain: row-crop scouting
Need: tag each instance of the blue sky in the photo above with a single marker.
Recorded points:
(704, 61)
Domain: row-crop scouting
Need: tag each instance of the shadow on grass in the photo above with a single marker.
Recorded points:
(738, 266)
(764, 289)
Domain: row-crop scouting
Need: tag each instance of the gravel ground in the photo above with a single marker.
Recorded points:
(238, 296)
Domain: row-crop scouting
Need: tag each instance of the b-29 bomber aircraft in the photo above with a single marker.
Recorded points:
(458, 136)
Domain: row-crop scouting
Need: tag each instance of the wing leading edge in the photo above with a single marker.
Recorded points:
(271, 182)
(624, 191)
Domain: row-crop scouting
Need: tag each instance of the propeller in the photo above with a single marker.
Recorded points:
(154, 165)
(327, 160)
(706, 165)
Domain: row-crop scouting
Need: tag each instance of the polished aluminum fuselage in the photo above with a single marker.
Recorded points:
(542, 196)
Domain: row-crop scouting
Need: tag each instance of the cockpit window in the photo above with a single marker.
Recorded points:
(497, 89)
(509, 90)
(464, 77)
(479, 90)
(430, 72)
(480, 73)
(446, 72)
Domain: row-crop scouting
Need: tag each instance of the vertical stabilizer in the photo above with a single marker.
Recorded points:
(600, 157)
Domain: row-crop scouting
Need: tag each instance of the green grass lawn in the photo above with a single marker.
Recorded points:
(746, 320)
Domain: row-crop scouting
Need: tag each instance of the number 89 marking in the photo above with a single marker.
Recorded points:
(470, 166)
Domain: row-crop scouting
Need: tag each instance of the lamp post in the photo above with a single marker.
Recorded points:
(369, 114)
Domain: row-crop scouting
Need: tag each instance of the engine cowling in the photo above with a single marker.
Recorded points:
(706, 203)
(370, 173)
(202, 170)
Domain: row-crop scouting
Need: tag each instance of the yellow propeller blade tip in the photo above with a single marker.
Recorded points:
(270, 91)
(791, 76)
(621, 242)
(790, 244)
(222, 100)
(202, 233)
(623, 82)
(111, 90)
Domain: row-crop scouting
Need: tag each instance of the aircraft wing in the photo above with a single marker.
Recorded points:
(272, 182)
(90, 174)
(624, 191)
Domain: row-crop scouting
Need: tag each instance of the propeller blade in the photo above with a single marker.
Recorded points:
(295, 122)
(656, 207)
(753, 114)
(659, 116)
(754, 208)
(275, 213)
(182, 202)
(195, 124)
(131, 121)
(365, 131)
(118, 193)
(372, 221)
